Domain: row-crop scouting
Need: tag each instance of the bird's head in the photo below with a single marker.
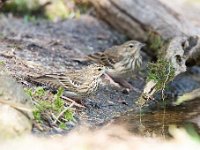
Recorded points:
(97, 70)
(132, 48)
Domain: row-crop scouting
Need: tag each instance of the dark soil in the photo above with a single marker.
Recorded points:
(35, 48)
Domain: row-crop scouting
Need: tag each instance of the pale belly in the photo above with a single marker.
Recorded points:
(125, 70)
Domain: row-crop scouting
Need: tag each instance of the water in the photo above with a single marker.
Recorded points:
(155, 123)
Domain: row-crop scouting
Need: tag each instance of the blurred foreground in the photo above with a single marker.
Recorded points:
(33, 46)
(106, 138)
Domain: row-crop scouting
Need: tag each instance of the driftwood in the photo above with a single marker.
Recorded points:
(137, 17)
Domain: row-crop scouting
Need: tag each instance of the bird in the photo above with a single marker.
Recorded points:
(121, 60)
(77, 84)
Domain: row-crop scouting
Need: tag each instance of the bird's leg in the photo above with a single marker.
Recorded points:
(120, 83)
(123, 83)
(111, 81)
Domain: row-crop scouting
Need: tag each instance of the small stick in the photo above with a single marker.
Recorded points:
(70, 100)
(16, 106)
(62, 112)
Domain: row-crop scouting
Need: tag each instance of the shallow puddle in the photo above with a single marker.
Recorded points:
(155, 123)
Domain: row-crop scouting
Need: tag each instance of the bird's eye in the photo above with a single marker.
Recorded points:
(131, 45)
(99, 69)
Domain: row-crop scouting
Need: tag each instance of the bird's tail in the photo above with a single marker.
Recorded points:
(47, 80)
(82, 60)
(98, 58)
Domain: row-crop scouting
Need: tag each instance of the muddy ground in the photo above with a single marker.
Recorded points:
(35, 48)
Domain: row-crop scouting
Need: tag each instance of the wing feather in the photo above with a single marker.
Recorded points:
(107, 58)
(56, 81)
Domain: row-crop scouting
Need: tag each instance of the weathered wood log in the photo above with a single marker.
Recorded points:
(137, 17)
(193, 56)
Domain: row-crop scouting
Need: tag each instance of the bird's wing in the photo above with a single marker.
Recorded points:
(57, 80)
(107, 58)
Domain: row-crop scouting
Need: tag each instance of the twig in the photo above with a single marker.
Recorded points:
(163, 98)
(55, 118)
(62, 112)
(70, 100)
(16, 106)
(148, 91)
(164, 84)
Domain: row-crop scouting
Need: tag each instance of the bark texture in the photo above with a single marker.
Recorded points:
(138, 17)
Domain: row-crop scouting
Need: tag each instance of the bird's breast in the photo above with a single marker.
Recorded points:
(125, 68)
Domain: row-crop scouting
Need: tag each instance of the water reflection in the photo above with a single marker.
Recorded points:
(155, 123)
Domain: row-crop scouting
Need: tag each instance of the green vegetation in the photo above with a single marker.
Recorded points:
(2, 63)
(29, 18)
(53, 10)
(2, 66)
(49, 106)
(191, 130)
(62, 125)
(161, 72)
(22, 6)
(1, 35)
(155, 43)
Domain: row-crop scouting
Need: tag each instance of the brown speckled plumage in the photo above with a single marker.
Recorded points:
(122, 59)
(78, 84)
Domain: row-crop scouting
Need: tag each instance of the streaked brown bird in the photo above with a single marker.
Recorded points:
(122, 61)
(78, 84)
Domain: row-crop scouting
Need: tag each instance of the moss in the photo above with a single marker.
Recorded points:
(156, 44)
(160, 72)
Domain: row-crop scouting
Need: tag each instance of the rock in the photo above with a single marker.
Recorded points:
(15, 108)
